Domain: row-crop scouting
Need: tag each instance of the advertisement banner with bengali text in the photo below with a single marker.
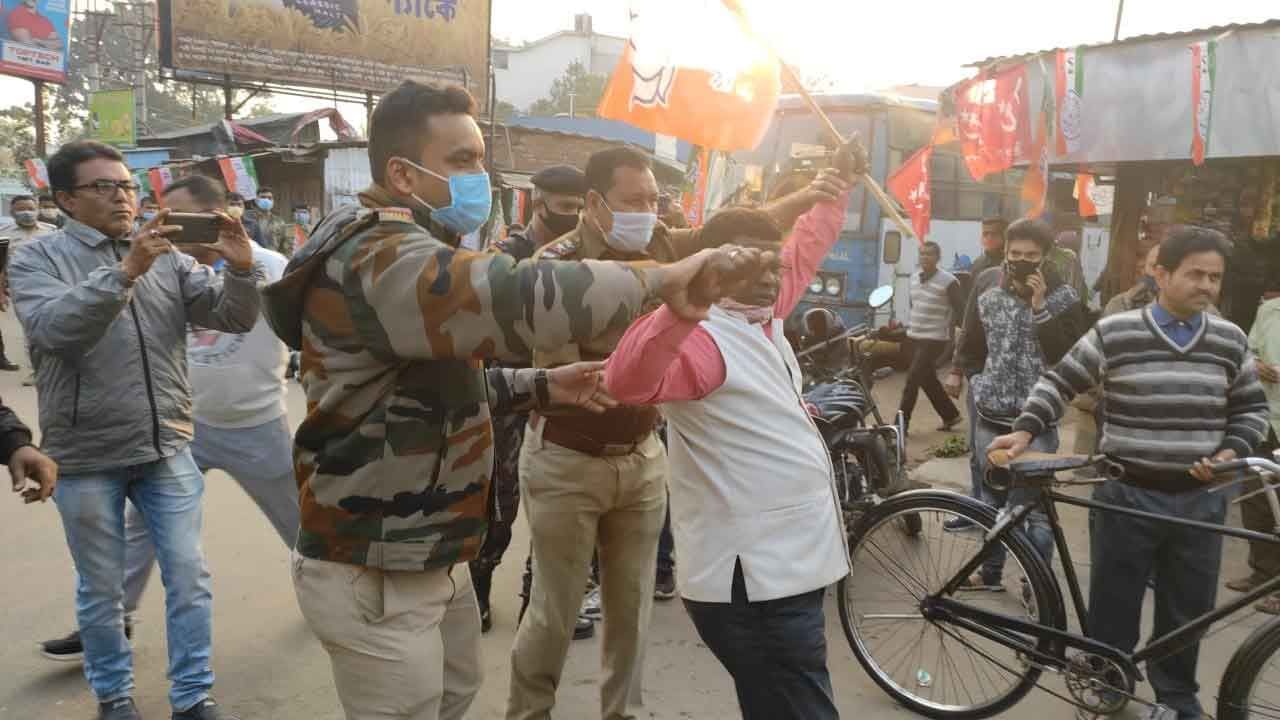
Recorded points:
(363, 45)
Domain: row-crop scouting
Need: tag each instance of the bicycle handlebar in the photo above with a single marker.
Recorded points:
(1232, 466)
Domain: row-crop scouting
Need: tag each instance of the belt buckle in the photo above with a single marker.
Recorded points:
(616, 449)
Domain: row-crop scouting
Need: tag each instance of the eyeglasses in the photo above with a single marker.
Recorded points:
(107, 188)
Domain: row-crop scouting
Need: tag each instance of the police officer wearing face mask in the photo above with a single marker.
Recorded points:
(610, 468)
(25, 228)
(557, 202)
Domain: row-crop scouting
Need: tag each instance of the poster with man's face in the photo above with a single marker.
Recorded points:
(33, 39)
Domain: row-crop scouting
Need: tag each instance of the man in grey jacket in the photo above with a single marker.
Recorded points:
(106, 314)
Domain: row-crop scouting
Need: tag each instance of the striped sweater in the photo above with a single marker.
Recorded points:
(1164, 408)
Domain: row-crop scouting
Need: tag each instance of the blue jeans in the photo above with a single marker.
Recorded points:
(977, 488)
(168, 494)
(775, 650)
(1037, 525)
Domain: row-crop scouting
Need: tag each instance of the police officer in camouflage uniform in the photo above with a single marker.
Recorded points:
(557, 200)
(394, 457)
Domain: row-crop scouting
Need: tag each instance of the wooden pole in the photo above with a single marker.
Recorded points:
(886, 204)
(228, 98)
(39, 118)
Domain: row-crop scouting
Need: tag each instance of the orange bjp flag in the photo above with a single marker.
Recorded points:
(694, 70)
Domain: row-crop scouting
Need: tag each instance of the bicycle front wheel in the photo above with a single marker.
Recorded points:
(1251, 683)
(934, 667)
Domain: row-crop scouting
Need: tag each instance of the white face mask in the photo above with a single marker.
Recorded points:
(631, 231)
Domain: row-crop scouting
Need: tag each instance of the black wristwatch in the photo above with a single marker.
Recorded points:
(541, 391)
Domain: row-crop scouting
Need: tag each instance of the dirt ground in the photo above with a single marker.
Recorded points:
(270, 667)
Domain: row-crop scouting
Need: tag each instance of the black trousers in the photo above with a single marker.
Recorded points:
(1255, 512)
(923, 375)
(775, 650)
(504, 501)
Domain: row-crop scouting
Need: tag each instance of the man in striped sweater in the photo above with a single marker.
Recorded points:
(1180, 391)
(937, 305)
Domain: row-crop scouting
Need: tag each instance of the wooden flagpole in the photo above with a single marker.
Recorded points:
(886, 203)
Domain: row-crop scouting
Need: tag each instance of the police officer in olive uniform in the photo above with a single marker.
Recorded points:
(557, 199)
(589, 482)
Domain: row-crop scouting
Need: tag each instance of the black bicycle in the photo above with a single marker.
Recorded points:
(947, 653)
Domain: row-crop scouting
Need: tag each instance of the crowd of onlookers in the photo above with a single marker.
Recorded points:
(565, 372)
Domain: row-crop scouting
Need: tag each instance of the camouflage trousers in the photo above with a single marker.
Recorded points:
(504, 500)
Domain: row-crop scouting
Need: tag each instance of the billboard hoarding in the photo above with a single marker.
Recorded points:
(361, 45)
(33, 39)
(112, 118)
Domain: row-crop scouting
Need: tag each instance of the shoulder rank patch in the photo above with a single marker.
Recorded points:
(560, 249)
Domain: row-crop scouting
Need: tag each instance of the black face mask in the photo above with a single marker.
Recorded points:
(1020, 270)
(559, 223)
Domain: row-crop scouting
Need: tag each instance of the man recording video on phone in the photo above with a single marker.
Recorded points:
(105, 310)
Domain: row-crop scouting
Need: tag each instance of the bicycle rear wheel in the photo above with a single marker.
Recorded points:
(936, 668)
(1251, 683)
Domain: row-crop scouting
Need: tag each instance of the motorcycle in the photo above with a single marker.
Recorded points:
(867, 452)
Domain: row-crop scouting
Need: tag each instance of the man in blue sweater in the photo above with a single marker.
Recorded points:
(1180, 391)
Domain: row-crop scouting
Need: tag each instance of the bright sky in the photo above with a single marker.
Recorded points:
(868, 45)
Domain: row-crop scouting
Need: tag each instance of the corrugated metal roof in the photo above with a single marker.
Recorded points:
(1213, 30)
(599, 129)
(208, 127)
(856, 100)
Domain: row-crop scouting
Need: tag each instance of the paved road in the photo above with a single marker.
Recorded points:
(270, 667)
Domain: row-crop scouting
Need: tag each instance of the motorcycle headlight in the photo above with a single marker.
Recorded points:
(833, 286)
(816, 286)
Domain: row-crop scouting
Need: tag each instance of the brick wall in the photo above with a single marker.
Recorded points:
(530, 151)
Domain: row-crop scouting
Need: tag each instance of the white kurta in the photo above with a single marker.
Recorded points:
(751, 478)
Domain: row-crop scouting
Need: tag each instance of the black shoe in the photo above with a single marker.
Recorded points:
(486, 620)
(206, 709)
(584, 628)
(8, 366)
(70, 649)
(122, 709)
(665, 587)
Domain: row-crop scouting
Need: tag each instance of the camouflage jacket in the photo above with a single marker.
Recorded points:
(277, 231)
(393, 460)
(587, 243)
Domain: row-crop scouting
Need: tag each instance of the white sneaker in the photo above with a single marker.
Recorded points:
(591, 604)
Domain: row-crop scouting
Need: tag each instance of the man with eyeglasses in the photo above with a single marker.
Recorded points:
(106, 310)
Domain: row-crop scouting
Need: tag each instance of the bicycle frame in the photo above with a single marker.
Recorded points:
(995, 626)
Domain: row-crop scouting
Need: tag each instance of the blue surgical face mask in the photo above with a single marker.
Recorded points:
(302, 217)
(631, 231)
(266, 204)
(470, 200)
(147, 215)
(25, 218)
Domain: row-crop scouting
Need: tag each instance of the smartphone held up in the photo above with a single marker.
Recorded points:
(197, 228)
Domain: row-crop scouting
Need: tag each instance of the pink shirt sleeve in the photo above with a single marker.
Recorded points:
(663, 358)
(812, 238)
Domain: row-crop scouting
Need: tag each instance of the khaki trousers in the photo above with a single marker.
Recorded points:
(576, 502)
(403, 645)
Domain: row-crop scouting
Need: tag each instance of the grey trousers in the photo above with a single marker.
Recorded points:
(260, 459)
(1125, 551)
